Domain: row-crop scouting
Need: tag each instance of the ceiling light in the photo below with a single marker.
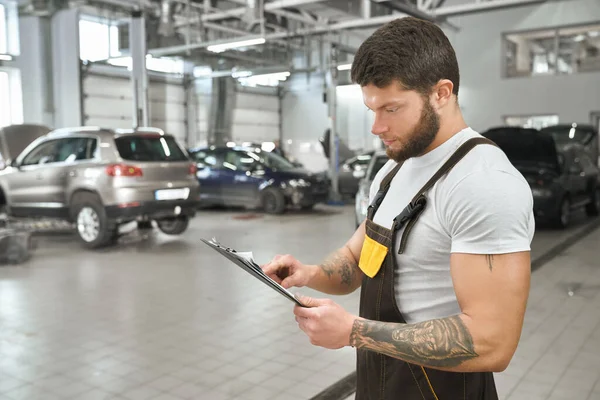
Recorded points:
(5, 57)
(219, 48)
(344, 67)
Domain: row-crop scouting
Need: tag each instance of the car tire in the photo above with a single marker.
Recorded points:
(273, 201)
(562, 218)
(173, 226)
(593, 208)
(92, 226)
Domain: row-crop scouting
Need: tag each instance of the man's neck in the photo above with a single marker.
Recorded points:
(447, 130)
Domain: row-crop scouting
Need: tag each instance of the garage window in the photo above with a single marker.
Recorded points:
(5, 111)
(3, 31)
(98, 40)
(564, 50)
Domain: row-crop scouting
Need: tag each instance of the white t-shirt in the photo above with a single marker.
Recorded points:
(482, 206)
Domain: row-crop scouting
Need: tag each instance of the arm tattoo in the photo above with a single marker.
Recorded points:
(490, 260)
(437, 343)
(342, 266)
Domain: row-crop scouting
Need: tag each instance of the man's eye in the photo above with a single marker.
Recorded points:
(392, 110)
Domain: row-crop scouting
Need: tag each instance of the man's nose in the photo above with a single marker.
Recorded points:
(378, 128)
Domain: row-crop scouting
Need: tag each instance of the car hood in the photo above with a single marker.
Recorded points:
(527, 148)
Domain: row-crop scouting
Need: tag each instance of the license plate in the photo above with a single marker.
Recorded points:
(172, 194)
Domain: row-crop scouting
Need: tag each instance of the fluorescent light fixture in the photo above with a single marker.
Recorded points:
(344, 67)
(241, 74)
(219, 48)
(264, 79)
(5, 57)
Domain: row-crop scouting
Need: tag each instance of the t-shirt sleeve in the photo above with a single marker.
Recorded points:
(490, 212)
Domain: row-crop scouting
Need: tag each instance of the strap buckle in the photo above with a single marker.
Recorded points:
(377, 200)
(412, 210)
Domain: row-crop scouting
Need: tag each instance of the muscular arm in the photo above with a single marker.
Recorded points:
(492, 293)
(339, 274)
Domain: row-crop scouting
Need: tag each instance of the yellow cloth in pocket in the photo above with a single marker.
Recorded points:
(371, 256)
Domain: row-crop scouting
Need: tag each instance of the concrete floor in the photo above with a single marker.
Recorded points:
(168, 318)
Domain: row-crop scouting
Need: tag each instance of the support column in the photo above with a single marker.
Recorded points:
(221, 111)
(331, 81)
(66, 69)
(139, 73)
(35, 64)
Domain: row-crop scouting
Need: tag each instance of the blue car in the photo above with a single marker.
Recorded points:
(250, 177)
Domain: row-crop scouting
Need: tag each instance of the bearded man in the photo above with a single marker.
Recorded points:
(443, 258)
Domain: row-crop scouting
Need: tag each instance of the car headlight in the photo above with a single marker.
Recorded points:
(298, 183)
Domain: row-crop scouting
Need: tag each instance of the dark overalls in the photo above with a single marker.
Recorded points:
(380, 377)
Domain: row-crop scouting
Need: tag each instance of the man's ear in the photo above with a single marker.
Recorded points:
(442, 93)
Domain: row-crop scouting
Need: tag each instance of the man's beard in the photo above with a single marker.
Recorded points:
(420, 138)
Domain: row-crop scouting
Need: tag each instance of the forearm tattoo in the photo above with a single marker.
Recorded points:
(341, 265)
(436, 343)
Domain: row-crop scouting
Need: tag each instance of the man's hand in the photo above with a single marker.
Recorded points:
(289, 272)
(326, 323)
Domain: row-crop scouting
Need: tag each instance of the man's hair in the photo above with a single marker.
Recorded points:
(414, 52)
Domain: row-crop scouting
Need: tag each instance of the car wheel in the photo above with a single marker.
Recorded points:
(273, 201)
(593, 208)
(173, 226)
(92, 226)
(563, 215)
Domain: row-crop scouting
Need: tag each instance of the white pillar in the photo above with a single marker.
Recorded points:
(139, 73)
(66, 69)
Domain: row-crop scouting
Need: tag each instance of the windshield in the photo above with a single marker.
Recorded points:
(149, 148)
(566, 134)
(378, 163)
(274, 161)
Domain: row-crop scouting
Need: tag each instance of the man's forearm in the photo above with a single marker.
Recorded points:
(338, 274)
(444, 344)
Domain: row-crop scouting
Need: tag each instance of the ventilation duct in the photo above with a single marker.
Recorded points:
(166, 25)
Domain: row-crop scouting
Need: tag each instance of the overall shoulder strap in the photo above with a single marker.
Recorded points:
(458, 155)
(417, 205)
(383, 188)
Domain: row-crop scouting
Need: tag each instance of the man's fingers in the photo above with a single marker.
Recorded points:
(272, 267)
(312, 302)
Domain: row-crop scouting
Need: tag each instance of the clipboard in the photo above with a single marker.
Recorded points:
(247, 263)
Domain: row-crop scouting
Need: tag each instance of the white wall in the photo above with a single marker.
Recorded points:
(486, 97)
(304, 119)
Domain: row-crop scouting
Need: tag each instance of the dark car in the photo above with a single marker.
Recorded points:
(351, 172)
(238, 176)
(583, 134)
(562, 179)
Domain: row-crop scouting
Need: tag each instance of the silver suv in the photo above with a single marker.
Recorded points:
(101, 178)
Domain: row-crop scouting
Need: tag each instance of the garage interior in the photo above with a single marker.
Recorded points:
(138, 307)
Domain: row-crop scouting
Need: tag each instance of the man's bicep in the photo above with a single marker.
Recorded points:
(492, 292)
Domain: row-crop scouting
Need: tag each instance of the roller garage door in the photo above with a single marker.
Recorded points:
(256, 117)
(108, 101)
